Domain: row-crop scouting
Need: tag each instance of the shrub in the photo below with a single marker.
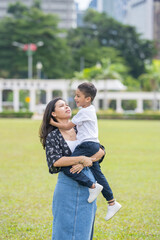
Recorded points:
(128, 115)
(11, 114)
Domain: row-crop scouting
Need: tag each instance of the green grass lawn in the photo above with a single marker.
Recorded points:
(132, 167)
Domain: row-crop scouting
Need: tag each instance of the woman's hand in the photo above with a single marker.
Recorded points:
(77, 168)
(87, 161)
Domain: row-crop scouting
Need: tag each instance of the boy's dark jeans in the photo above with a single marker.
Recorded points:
(88, 149)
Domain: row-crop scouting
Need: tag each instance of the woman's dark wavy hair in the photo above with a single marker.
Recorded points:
(45, 127)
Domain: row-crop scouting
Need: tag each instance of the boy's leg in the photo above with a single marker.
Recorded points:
(101, 179)
(81, 178)
(86, 149)
(113, 206)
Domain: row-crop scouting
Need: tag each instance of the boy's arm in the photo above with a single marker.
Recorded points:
(98, 156)
(65, 126)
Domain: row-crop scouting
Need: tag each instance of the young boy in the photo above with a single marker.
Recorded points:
(86, 122)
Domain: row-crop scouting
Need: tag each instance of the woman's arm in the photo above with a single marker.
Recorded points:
(86, 161)
(69, 161)
(56, 160)
(77, 168)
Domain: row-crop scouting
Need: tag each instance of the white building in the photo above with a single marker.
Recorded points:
(141, 15)
(65, 9)
(113, 8)
(107, 90)
(50, 87)
(145, 16)
(103, 6)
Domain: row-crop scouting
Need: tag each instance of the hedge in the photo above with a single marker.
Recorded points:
(11, 114)
(102, 114)
(110, 114)
(136, 116)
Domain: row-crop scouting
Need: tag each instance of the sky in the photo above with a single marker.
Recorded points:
(83, 4)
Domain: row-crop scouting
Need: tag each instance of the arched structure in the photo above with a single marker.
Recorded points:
(106, 90)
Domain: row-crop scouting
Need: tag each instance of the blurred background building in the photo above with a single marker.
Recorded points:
(143, 14)
(65, 9)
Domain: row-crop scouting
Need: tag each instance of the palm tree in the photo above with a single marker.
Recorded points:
(150, 81)
(111, 71)
(105, 70)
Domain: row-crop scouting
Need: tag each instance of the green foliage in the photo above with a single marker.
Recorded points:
(131, 83)
(37, 3)
(23, 94)
(17, 9)
(150, 81)
(110, 114)
(129, 105)
(7, 95)
(89, 73)
(101, 31)
(12, 114)
(104, 70)
(112, 70)
(102, 38)
(131, 167)
(31, 25)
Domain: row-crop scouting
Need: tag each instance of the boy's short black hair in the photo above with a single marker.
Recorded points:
(88, 89)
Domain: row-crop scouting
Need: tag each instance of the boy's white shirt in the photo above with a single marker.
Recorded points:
(86, 123)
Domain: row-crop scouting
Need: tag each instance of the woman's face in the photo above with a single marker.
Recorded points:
(62, 110)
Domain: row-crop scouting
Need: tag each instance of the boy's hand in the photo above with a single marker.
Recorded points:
(77, 168)
(52, 122)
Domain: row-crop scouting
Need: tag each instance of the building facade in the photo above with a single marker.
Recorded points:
(93, 4)
(142, 14)
(107, 90)
(156, 28)
(145, 16)
(139, 13)
(113, 8)
(65, 9)
(108, 7)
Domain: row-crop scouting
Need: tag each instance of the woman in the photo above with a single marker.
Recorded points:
(73, 216)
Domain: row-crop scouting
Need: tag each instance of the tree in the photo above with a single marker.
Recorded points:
(17, 9)
(150, 81)
(101, 31)
(104, 70)
(30, 25)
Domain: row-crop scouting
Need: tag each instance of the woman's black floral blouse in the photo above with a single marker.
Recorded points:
(56, 147)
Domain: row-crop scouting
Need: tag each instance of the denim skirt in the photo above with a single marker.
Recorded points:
(73, 216)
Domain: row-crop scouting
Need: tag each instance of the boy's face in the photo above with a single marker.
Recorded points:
(81, 100)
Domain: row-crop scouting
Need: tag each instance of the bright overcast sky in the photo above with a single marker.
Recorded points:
(83, 4)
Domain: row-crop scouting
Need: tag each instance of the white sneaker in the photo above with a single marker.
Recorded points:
(94, 192)
(112, 210)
